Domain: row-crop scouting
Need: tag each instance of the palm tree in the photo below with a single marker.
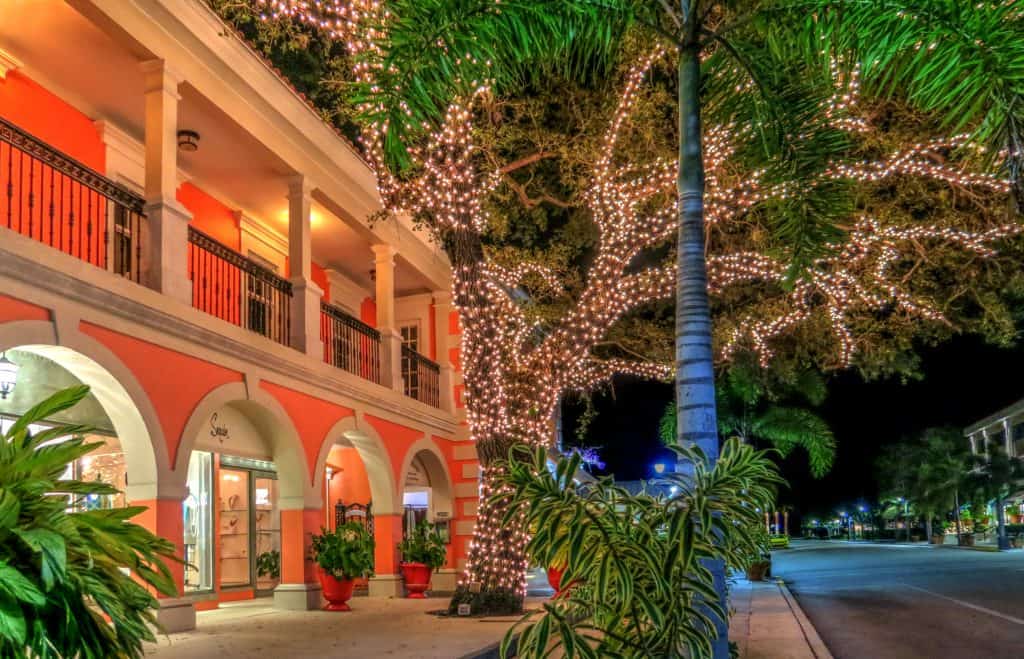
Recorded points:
(754, 408)
(943, 470)
(993, 477)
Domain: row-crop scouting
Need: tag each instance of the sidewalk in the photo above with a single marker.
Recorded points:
(769, 624)
(376, 627)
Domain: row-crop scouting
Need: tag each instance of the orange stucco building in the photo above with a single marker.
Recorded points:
(182, 232)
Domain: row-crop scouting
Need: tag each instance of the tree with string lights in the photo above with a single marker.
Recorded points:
(417, 102)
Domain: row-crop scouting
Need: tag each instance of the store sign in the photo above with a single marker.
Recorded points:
(230, 431)
(218, 431)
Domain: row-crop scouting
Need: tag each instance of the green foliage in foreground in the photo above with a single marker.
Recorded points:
(60, 571)
(637, 564)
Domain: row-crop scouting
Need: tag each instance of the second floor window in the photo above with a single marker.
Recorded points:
(410, 376)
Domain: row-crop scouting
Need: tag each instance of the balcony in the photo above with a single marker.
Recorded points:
(231, 287)
(52, 198)
(349, 344)
(421, 377)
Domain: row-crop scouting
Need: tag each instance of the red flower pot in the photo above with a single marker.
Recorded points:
(336, 592)
(555, 579)
(417, 579)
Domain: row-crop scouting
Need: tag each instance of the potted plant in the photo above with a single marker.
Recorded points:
(423, 551)
(760, 565)
(268, 564)
(343, 555)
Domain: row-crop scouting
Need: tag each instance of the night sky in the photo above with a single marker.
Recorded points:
(964, 380)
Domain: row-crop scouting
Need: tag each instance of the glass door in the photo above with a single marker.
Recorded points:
(235, 539)
(198, 525)
(267, 524)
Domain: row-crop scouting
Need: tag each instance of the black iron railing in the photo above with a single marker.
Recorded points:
(349, 344)
(49, 196)
(231, 287)
(422, 377)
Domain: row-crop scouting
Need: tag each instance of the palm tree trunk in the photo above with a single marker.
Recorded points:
(956, 515)
(928, 527)
(695, 387)
(1001, 540)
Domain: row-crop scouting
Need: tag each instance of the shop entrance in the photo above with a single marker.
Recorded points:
(426, 493)
(232, 520)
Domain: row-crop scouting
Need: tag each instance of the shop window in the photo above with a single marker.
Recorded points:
(410, 374)
(234, 528)
(198, 527)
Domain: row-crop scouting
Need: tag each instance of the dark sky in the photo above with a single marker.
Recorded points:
(964, 380)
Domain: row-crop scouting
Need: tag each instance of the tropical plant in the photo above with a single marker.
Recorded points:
(757, 408)
(639, 562)
(992, 477)
(268, 564)
(62, 589)
(424, 545)
(346, 552)
(942, 472)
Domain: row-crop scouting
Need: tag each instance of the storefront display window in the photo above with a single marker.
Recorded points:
(234, 528)
(198, 525)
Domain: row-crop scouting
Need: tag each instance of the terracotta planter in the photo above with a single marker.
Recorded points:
(938, 539)
(759, 570)
(336, 591)
(967, 539)
(417, 579)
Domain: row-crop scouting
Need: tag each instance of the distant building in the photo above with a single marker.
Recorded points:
(1004, 428)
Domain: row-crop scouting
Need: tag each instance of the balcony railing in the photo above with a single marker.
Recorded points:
(422, 377)
(49, 196)
(231, 287)
(349, 344)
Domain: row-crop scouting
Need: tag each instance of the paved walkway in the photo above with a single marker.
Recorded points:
(376, 627)
(767, 623)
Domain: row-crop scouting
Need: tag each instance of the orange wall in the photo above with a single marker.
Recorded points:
(313, 418)
(45, 205)
(37, 111)
(173, 381)
(368, 312)
(351, 484)
(210, 216)
(320, 278)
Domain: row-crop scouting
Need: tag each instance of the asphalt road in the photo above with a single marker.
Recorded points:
(871, 601)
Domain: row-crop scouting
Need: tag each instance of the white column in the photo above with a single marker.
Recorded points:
(306, 295)
(442, 347)
(391, 339)
(165, 231)
(984, 441)
(1008, 432)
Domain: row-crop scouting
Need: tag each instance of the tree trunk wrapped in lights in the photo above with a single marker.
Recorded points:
(515, 371)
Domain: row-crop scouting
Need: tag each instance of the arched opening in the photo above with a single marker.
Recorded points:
(354, 477)
(128, 457)
(426, 489)
(244, 465)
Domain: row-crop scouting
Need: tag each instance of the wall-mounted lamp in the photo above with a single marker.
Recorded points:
(330, 473)
(188, 140)
(8, 375)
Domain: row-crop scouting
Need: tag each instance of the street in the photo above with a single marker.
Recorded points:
(872, 601)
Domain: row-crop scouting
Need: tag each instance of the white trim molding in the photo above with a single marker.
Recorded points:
(8, 63)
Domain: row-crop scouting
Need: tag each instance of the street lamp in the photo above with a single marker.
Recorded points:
(659, 467)
(8, 376)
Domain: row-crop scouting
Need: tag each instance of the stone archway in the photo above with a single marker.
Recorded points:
(245, 435)
(427, 458)
(114, 387)
(369, 445)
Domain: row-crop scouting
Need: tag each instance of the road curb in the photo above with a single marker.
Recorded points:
(814, 641)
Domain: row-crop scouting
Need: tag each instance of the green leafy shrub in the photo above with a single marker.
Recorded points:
(60, 571)
(424, 545)
(268, 564)
(346, 552)
(640, 562)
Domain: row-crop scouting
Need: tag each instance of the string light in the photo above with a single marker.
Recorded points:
(516, 374)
